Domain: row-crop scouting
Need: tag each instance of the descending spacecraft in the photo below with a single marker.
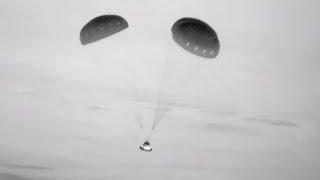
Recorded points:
(191, 34)
(146, 146)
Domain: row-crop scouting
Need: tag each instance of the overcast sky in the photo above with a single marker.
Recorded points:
(69, 111)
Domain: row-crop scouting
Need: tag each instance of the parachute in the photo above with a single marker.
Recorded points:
(101, 27)
(196, 37)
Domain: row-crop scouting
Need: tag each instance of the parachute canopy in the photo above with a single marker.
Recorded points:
(196, 37)
(101, 27)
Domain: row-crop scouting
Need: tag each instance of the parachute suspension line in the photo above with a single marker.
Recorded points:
(158, 116)
(138, 118)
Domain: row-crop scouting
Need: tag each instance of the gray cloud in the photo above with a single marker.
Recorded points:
(6, 176)
(99, 108)
(217, 112)
(272, 122)
(23, 166)
(228, 128)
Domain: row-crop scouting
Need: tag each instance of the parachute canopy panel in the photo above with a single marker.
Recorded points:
(101, 27)
(196, 37)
